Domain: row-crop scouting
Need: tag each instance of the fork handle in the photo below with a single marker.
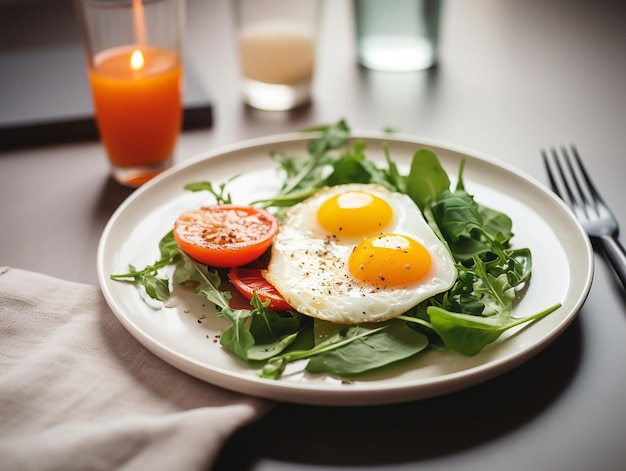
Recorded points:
(616, 255)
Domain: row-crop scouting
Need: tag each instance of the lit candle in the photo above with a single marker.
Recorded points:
(137, 92)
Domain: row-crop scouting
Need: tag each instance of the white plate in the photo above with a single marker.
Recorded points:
(185, 334)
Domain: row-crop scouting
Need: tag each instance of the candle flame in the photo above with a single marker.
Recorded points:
(136, 60)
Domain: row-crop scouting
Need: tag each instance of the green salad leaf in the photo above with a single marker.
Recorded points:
(396, 341)
(427, 181)
(475, 312)
(156, 286)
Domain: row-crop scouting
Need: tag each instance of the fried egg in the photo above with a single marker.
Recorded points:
(358, 253)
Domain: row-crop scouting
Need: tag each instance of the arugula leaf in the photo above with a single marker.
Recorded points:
(156, 287)
(168, 247)
(304, 176)
(220, 196)
(519, 266)
(333, 136)
(493, 290)
(393, 175)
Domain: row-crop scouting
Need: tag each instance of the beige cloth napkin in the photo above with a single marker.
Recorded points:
(78, 392)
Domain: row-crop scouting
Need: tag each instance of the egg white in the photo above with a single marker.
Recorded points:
(309, 266)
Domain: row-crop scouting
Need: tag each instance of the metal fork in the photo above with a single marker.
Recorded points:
(571, 182)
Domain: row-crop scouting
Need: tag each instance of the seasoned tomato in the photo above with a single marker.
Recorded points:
(249, 280)
(225, 235)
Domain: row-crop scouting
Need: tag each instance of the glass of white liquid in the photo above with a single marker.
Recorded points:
(277, 47)
(397, 35)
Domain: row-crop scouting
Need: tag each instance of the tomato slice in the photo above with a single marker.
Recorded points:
(225, 236)
(249, 280)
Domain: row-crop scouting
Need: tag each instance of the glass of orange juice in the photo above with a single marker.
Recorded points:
(277, 47)
(135, 70)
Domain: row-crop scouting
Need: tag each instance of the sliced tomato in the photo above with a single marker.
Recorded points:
(225, 235)
(249, 280)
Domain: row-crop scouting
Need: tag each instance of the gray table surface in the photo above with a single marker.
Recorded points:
(513, 77)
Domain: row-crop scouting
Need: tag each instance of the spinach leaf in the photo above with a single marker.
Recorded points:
(268, 325)
(265, 351)
(396, 342)
(427, 180)
(353, 167)
(276, 365)
(457, 215)
(273, 332)
(494, 223)
(236, 338)
(468, 334)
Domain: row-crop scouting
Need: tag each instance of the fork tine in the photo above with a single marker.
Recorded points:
(582, 193)
(592, 212)
(583, 171)
(564, 179)
(553, 184)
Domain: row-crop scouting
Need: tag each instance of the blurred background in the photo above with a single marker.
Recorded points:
(512, 77)
(498, 75)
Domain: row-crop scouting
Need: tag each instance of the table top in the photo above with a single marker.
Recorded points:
(513, 77)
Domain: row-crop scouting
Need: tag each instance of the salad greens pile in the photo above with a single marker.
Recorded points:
(472, 314)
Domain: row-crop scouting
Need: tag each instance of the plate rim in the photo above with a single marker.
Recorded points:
(316, 394)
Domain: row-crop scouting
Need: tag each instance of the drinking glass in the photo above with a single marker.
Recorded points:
(134, 65)
(397, 35)
(277, 46)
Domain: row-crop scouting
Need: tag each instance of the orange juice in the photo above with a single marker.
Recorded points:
(138, 102)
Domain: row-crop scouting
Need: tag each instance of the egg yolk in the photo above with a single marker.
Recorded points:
(354, 213)
(389, 260)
